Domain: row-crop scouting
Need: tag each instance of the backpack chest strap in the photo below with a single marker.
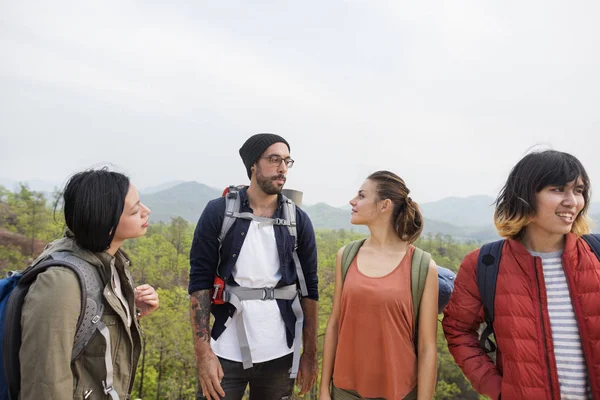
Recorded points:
(266, 293)
(289, 221)
(236, 294)
(263, 221)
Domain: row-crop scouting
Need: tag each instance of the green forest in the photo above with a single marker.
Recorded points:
(29, 220)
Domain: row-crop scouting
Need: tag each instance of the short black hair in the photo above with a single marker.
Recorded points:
(93, 204)
(516, 202)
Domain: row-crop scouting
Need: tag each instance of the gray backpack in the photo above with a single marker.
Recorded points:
(88, 323)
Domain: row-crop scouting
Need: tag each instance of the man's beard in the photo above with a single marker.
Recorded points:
(265, 183)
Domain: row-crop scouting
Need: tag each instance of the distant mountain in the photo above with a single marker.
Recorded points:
(186, 200)
(161, 187)
(328, 217)
(461, 217)
(472, 211)
(325, 216)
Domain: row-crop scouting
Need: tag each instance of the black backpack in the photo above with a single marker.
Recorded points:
(16, 288)
(487, 274)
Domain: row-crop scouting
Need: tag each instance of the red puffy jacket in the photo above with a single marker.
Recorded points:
(526, 366)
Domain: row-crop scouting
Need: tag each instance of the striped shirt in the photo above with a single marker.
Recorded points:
(570, 361)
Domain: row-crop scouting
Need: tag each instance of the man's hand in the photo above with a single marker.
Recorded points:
(210, 374)
(146, 299)
(307, 373)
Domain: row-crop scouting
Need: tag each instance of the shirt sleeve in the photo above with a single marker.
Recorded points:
(49, 322)
(204, 253)
(462, 317)
(307, 253)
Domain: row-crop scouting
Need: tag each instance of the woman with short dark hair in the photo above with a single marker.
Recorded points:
(102, 209)
(547, 297)
(378, 345)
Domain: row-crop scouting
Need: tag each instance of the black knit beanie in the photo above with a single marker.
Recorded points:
(256, 145)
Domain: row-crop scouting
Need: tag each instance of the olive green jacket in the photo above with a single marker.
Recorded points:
(49, 322)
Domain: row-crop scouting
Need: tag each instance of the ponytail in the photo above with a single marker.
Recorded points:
(407, 217)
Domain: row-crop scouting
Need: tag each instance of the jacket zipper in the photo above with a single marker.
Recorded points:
(539, 290)
(128, 331)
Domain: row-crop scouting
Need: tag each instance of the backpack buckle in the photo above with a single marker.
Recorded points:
(226, 296)
(106, 388)
(268, 293)
(217, 288)
(281, 221)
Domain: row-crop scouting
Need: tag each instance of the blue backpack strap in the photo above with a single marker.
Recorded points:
(487, 275)
(593, 239)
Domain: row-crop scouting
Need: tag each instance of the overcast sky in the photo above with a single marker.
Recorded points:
(449, 95)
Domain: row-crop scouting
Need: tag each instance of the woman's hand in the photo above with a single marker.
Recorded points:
(146, 300)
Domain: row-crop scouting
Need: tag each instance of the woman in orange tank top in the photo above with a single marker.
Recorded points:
(370, 350)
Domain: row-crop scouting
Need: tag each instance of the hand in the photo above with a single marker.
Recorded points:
(307, 373)
(146, 299)
(210, 374)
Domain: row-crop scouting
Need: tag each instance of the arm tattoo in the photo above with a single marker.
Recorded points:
(200, 304)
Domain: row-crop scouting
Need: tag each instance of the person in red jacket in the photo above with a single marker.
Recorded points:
(547, 302)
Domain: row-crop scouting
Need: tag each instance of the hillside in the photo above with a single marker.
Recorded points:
(158, 188)
(13, 240)
(469, 211)
(186, 200)
(328, 217)
(463, 218)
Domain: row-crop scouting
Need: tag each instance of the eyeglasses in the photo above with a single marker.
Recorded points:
(276, 160)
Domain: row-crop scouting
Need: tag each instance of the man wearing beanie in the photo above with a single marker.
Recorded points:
(263, 253)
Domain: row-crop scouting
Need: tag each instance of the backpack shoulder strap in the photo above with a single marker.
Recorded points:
(488, 264)
(289, 220)
(593, 239)
(418, 276)
(232, 205)
(289, 214)
(92, 305)
(350, 251)
(90, 317)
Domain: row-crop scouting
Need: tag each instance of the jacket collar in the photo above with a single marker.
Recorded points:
(570, 249)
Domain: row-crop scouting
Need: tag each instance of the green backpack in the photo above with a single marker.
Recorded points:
(418, 274)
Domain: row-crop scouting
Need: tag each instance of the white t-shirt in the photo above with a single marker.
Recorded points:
(257, 267)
